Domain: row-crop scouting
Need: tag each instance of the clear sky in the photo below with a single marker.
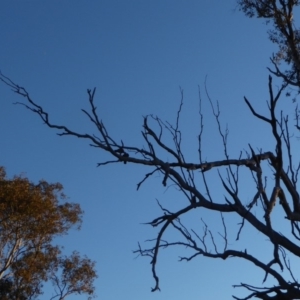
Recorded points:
(137, 53)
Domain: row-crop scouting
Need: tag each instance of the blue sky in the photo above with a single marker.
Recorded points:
(137, 54)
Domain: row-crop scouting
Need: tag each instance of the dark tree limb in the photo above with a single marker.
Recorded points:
(185, 176)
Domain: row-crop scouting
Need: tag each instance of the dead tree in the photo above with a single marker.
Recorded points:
(274, 171)
(186, 176)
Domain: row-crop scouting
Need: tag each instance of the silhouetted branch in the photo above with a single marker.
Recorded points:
(193, 181)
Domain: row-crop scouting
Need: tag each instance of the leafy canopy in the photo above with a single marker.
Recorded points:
(31, 216)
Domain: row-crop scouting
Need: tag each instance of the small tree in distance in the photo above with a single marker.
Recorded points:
(31, 215)
(192, 180)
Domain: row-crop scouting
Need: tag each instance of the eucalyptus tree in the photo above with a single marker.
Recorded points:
(31, 216)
